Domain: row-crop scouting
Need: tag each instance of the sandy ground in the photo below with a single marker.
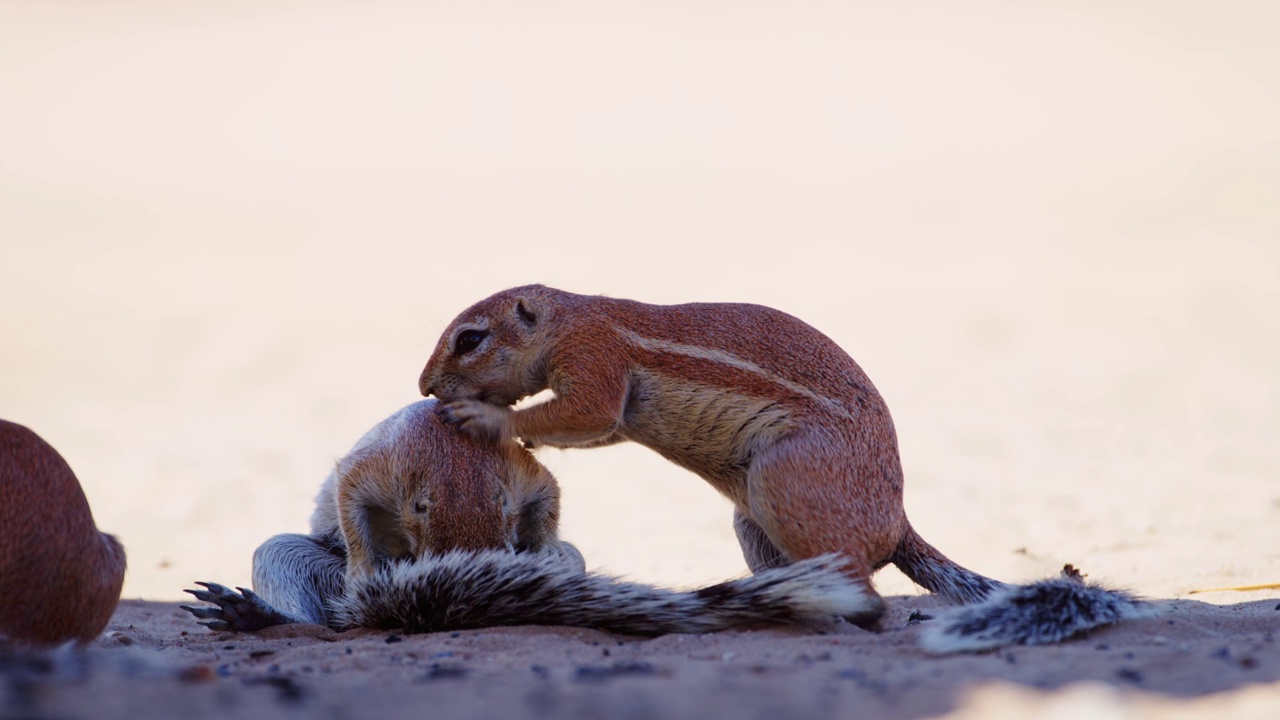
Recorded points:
(230, 234)
(1195, 660)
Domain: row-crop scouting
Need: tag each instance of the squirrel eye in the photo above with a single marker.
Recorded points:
(468, 340)
(419, 507)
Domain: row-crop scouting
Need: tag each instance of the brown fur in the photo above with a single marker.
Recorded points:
(415, 528)
(771, 412)
(61, 577)
(423, 489)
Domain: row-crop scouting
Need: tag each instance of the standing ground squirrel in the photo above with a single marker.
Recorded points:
(61, 577)
(768, 410)
(422, 528)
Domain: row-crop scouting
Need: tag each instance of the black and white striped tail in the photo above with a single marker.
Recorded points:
(1046, 611)
(461, 590)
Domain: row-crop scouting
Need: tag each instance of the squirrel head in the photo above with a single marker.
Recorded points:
(493, 351)
(415, 486)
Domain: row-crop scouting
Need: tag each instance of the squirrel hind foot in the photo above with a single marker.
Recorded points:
(1042, 612)
(242, 611)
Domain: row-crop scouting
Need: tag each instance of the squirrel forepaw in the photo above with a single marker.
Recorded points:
(479, 420)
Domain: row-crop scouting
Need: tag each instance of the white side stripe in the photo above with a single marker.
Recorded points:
(731, 360)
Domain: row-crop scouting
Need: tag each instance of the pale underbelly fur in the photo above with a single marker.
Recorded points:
(709, 430)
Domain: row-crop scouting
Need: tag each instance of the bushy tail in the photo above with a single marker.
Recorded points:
(935, 572)
(461, 590)
(993, 614)
(1046, 611)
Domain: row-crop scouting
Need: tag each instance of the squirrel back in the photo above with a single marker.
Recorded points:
(61, 577)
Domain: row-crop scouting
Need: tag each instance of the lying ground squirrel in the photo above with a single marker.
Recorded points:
(767, 409)
(61, 577)
(421, 528)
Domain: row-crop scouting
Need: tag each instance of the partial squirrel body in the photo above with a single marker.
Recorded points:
(61, 577)
(413, 487)
(768, 410)
(422, 528)
(771, 412)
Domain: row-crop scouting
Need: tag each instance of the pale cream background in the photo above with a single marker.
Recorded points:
(231, 232)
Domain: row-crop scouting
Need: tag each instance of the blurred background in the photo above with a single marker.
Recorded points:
(230, 234)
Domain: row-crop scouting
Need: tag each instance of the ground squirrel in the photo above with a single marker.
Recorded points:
(61, 577)
(768, 410)
(422, 528)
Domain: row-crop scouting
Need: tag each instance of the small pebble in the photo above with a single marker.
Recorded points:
(1129, 675)
(197, 673)
(445, 672)
(588, 673)
(290, 690)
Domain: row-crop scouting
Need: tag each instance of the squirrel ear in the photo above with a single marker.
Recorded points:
(527, 312)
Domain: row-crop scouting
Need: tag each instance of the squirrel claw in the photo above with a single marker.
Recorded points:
(235, 610)
(478, 419)
(204, 613)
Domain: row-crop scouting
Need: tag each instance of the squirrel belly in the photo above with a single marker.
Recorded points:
(61, 577)
(422, 528)
(768, 410)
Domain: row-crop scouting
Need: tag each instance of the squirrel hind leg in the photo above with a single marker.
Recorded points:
(300, 575)
(764, 558)
(757, 549)
(296, 577)
(803, 504)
